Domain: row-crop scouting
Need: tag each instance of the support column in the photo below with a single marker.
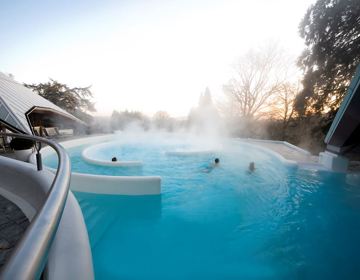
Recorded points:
(333, 161)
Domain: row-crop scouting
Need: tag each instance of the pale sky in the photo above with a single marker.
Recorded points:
(144, 55)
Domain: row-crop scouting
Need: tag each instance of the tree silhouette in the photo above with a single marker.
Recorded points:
(121, 120)
(205, 119)
(283, 108)
(331, 29)
(76, 101)
(162, 120)
(256, 83)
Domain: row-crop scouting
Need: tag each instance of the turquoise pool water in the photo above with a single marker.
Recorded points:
(279, 222)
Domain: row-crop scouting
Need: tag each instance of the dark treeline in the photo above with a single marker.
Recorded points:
(265, 107)
(77, 101)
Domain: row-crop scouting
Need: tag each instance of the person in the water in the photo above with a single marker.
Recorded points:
(251, 167)
(216, 163)
(114, 159)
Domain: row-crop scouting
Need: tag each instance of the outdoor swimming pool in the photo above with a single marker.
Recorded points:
(279, 222)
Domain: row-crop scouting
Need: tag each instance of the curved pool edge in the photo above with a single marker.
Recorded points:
(270, 152)
(291, 163)
(140, 185)
(104, 184)
(86, 154)
(190, 153)
(121, 185)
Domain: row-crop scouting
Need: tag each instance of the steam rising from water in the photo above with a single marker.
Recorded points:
(203, 131)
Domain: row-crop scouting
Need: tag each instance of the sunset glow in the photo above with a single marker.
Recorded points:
(142, 55)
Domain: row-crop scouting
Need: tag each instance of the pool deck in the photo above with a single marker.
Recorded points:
(287, 151)
(295, 154)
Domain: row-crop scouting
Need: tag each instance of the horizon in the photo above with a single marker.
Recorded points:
(157, 56)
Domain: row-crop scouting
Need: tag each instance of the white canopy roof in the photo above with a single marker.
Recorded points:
(16, 101)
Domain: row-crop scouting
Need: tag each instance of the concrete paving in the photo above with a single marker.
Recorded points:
(13, 224)
(304, 158)
(286, 150)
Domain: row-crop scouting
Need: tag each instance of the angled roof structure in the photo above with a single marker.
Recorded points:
(17, 102)
(344, 132)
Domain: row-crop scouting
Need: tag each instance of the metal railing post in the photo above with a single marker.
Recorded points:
(38, 156)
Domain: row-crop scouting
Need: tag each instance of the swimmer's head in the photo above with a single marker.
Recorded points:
(217, 161)
(252, 166)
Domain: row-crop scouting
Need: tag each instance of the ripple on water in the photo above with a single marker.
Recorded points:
(279, 222)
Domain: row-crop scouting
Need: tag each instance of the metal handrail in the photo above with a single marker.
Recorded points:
(30, 255)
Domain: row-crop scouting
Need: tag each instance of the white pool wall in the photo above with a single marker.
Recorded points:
(302, 165)
(103, 184)
(122, 185)
(268, 151)
(92, 155)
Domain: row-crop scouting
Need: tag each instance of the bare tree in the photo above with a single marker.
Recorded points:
(258, 77)
(162, 120)
(284, 107)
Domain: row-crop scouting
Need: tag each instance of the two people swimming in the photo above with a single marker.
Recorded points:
(216, 163)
